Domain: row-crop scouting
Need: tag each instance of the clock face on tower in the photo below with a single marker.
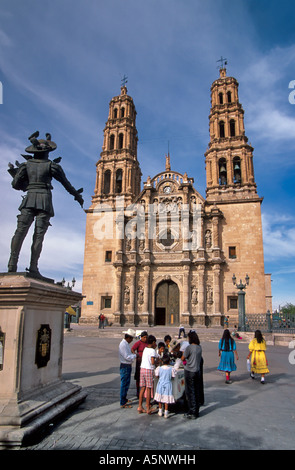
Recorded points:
(167, 189)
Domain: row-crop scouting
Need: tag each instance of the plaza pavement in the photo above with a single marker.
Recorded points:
(242, 416)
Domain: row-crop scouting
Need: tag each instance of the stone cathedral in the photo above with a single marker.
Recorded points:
(164, 254)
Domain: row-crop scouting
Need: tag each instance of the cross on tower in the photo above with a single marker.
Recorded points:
(223, 62)
(124, 80)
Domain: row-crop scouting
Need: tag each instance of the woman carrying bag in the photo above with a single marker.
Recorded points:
(257, 348)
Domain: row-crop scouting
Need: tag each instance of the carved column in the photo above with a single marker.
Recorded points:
(146, 296)
(230, 175)
(215, 317)
(186, 291)
(100, 179)
(132, 294)
(215, 232)
(119, 234)
(118, 297)
(216, 240)
(201, 239)
(113, 179)
(216, 274)
(200, 317)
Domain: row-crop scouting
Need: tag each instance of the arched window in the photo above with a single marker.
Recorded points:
(237, 170)
(122, 112)
(232, 127)
(222, 172)
(115, 113)
(220, 95)
(221, 130)
(107, 181)
(121, 140)
(119, 181)
(229, 96)
(112, 142)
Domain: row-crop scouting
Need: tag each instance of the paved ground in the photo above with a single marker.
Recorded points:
(244, 415)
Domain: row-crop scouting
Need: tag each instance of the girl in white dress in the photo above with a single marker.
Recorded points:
(163, 393)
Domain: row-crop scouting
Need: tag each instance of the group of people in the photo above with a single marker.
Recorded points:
(163, 361)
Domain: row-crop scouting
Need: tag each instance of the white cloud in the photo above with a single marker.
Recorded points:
(5, 40)
(278, 236)
(272, 124)
(66, 242)
(270, 117)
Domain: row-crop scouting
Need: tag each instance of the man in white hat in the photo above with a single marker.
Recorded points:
(126, 358)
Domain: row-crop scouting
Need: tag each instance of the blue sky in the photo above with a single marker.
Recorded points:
(62, 61)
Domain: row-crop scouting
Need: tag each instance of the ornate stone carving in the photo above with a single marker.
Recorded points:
(208, 239)
(126, 295)
(194, 297)
(140, 295)
(209, 294)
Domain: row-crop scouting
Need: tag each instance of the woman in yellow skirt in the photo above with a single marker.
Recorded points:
(257, 348)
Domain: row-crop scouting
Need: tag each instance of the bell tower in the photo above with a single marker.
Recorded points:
(229, 157)
(118, 172)
(231, 188)
(118, 179)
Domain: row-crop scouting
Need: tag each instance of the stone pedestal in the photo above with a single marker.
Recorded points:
(32, 392)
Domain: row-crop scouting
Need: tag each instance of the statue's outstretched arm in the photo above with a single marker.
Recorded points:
(58, 173)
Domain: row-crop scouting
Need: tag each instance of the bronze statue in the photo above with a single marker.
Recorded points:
(34, 176)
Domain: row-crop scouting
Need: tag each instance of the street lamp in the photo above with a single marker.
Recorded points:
(73, 284)
(63, 282)
(241, 300)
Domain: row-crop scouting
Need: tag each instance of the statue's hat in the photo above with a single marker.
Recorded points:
(40, 145)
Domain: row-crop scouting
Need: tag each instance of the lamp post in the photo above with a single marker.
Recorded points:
(63, 282)
(241, 300)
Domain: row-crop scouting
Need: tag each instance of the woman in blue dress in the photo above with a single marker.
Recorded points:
(163, 393)
(227, 349)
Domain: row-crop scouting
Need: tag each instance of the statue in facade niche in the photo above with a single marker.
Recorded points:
(208, 238)
(194, 295)
(126, 295)
(34, 177)
(140, 295)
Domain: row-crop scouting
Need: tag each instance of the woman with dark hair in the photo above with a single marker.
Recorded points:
(192, 370)
(257, 348)
(227, 349)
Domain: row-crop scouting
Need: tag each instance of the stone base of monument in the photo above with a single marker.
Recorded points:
(32, 391)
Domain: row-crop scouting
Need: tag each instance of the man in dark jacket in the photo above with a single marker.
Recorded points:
(192, 375)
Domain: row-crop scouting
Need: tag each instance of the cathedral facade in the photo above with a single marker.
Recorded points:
(164, 254)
